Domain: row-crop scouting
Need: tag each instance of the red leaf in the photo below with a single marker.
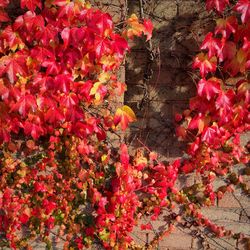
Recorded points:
(25, 104)
(24, 218)
(83, 89)
(246, 45)
(124, 116)
(82, 129)
(178, 117)
(147, 226)
(43, 83)
(13, 65)
(200, 104)
(192, 148)
(77, 35)
(4, 91)
(228, 51)
(54, 115)
(100, 23)
(41, 53)
(4, 16)
(148, 28)
(223, 104)
(237, 63)
(213, 45)
(205, 64)
(243, 6)
(101, 47)
(101, 135)
(46, 34)
(39, 187)
(241, 32)
(226, 26)
(224, 99)
(31, 4)
(4, 133)
(50, 223)
(219, 5)
(209, 88)
(45, 102)
(35, 130)
(11, 39)
(188, 167)
(119, 45)
(48, 205)
(28, 22)
(209, 134)
(4, 3)
(124, 156)
(65, 34)
(63, 82)
(67, 9)
(69, 101)
(199, 122)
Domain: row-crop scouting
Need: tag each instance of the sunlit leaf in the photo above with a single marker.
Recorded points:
(205, 64)
(124, 116)
(219, 5)
(243, 6)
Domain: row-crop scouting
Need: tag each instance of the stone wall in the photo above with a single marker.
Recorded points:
(179, 28)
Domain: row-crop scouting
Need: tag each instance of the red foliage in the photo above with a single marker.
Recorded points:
(58, 67)
(219, 115)
(58, 169)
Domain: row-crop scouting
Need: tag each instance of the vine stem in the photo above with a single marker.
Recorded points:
(141, 9)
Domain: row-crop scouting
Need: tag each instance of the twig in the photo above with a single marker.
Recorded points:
(243, 209)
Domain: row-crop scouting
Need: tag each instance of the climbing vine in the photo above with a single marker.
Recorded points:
(60, 172)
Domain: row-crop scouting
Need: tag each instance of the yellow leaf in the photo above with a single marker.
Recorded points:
(123, 116)
(22, 173)
(136, 28)
(88, 5)
(129, 112)
(108, 60)
(99, 91)
(104, 77)
(139, 159)
(104, 157)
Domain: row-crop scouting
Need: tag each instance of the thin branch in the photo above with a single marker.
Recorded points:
(141, 9)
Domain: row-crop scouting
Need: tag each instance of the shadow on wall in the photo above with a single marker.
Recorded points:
(175, 41)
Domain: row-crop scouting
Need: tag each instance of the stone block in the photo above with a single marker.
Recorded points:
(142, 238)
(185, 180)
(214, 243)
(245, 215)
(221, 215)
(228, 201)
(178, 240)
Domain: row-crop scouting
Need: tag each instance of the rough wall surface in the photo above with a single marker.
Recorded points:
(179, 29)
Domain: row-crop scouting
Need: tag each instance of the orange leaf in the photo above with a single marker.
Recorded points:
(237, 64)
(136, 28)
(31, 144)
(124, 116)
(205, 64)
